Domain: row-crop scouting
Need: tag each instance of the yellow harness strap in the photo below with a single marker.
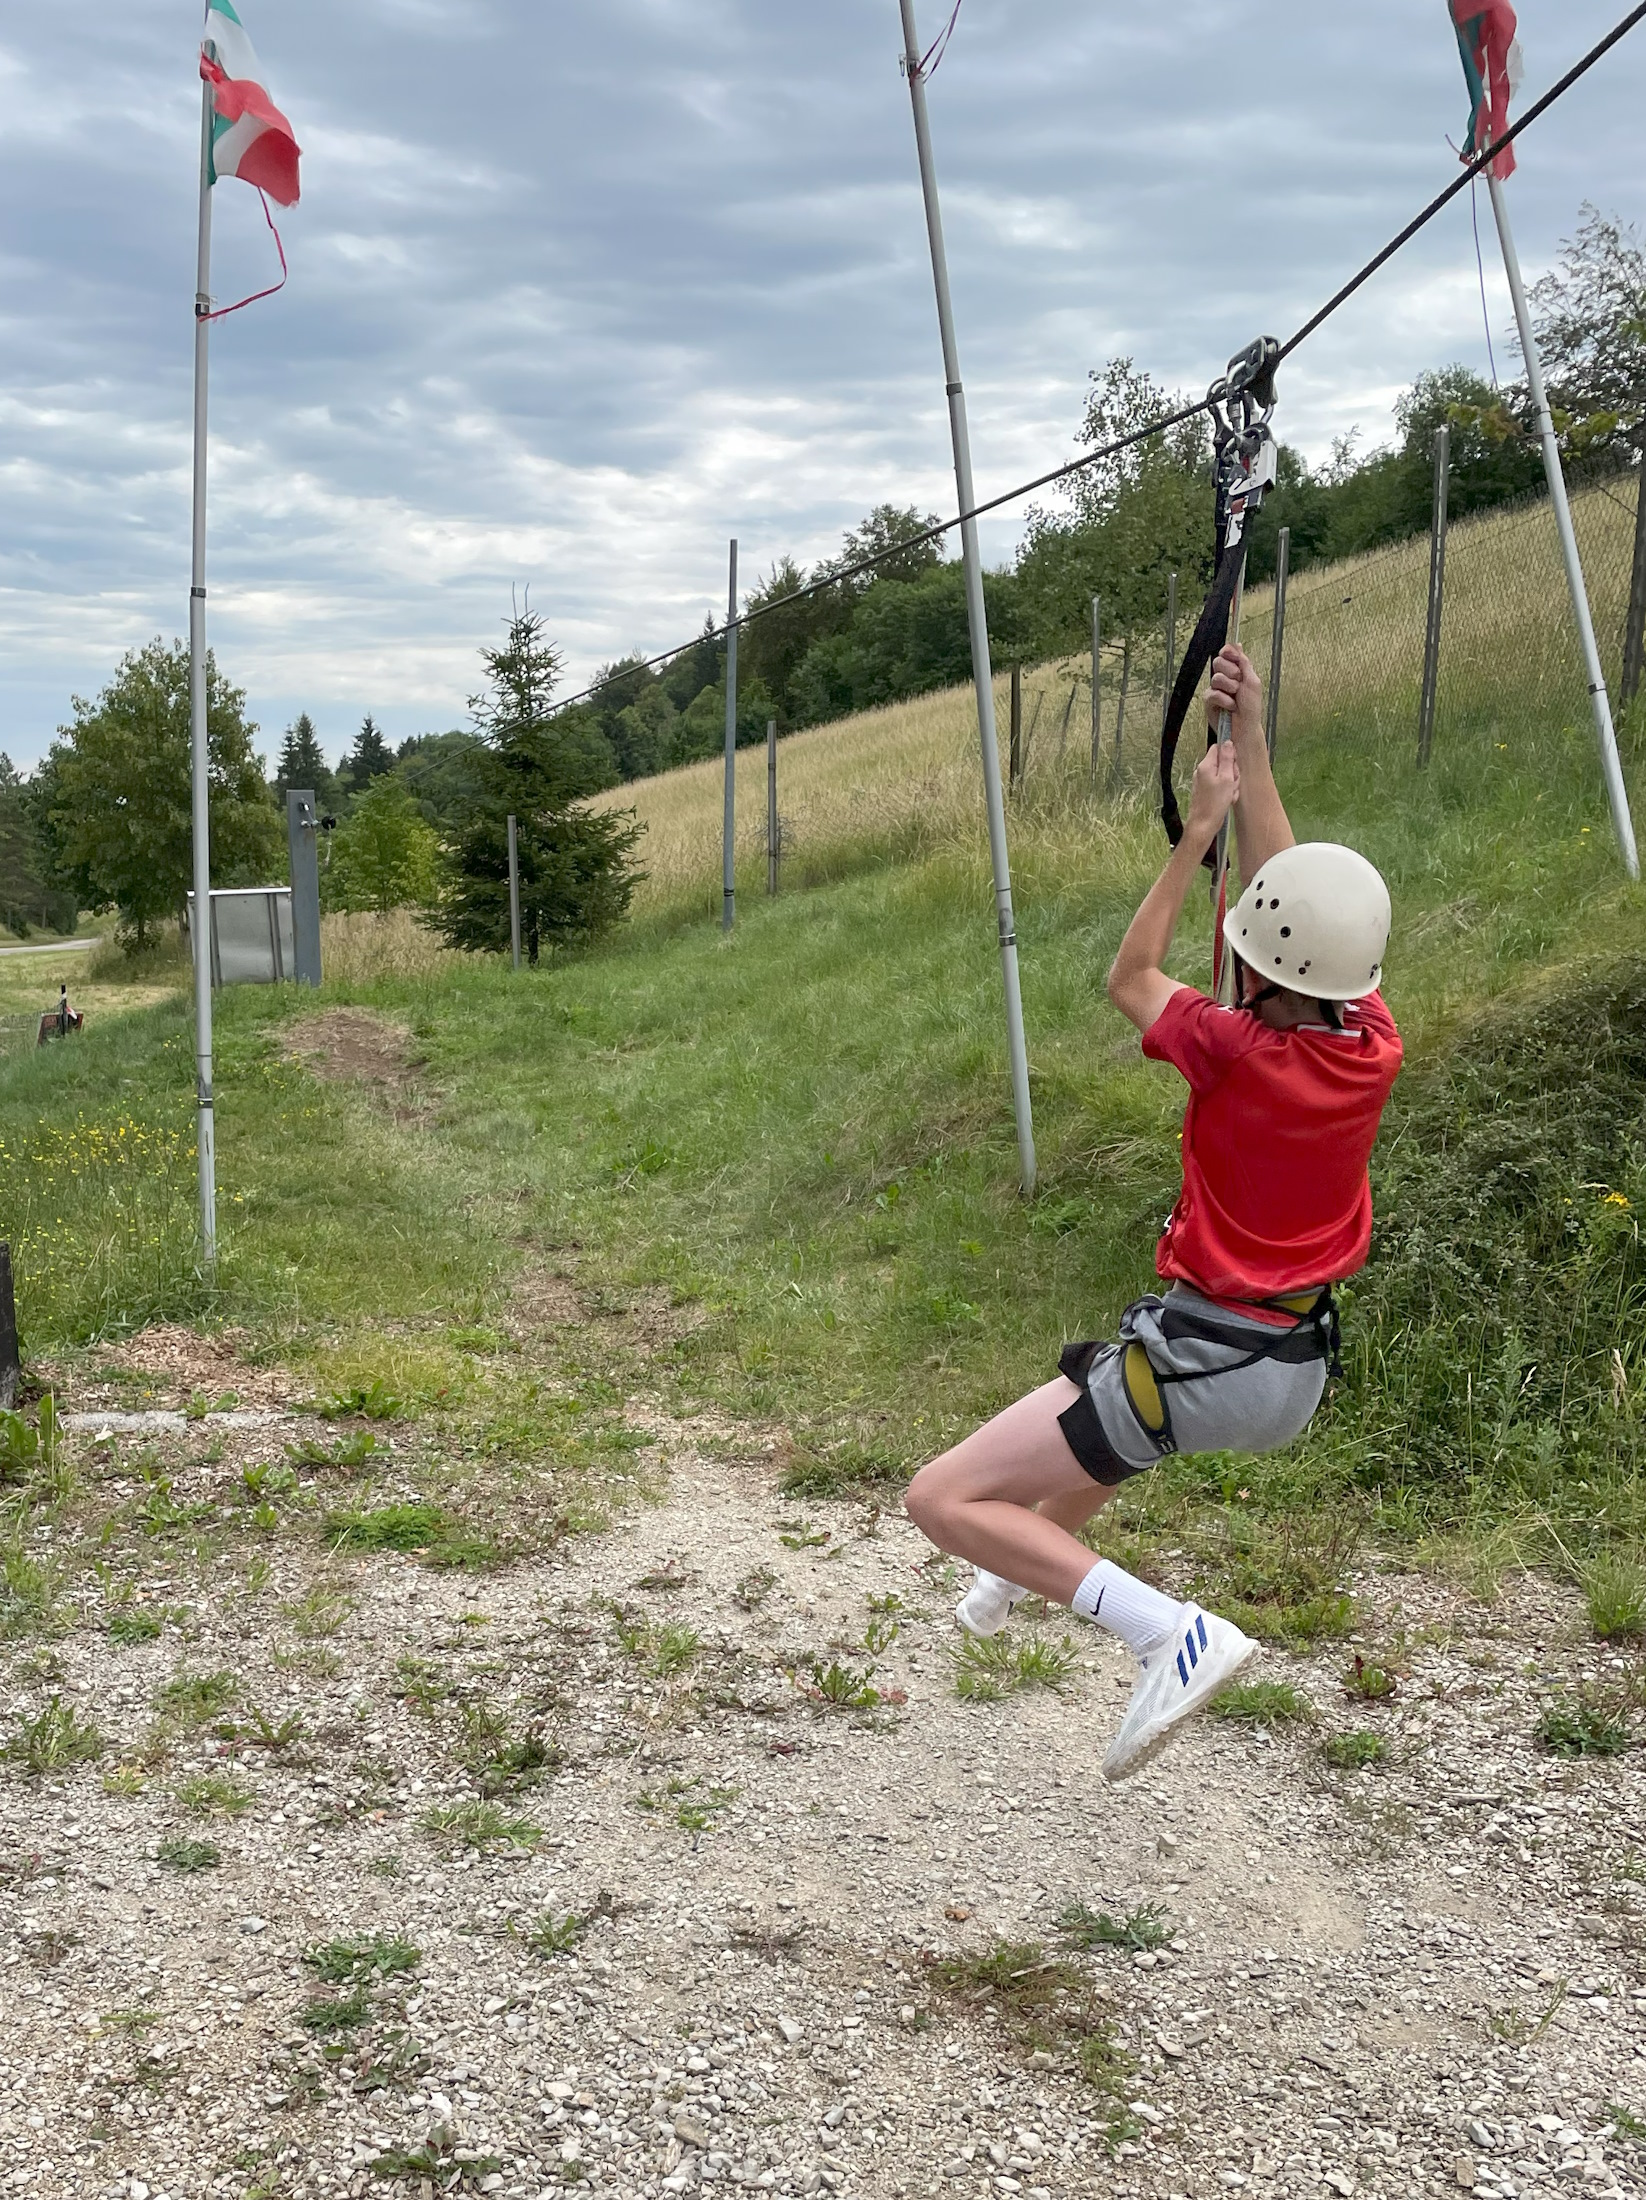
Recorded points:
(1143, 1390)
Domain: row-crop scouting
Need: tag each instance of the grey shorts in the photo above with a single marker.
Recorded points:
(1187, 1375)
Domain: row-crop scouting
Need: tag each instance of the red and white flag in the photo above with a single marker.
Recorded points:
(1491, 62)
(250, 138)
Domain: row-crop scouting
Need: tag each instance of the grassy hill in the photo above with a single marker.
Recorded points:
(802, 1133)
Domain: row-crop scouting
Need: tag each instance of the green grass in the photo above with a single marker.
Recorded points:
(799, 1141)
(1614, 1589)
(206, 1794)
(480, 1825)
(1352, 1752)
(53, 1740)
(989, 1667)
(1264, 1703)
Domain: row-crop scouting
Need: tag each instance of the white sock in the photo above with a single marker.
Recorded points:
(1124, 1605)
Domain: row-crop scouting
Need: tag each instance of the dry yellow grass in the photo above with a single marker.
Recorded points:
(905, 781)
(888, 785)
(356, 948)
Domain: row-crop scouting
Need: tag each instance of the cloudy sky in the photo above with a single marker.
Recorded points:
(581, 289)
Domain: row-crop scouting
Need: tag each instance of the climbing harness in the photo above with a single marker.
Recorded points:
(1245, 458)
(1316, 1334)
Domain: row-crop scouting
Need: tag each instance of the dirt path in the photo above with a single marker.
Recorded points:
(1428, 1976)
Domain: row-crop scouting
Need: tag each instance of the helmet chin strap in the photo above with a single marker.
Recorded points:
(1251, 1001)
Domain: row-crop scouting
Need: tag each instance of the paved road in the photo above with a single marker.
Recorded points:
(54, 947)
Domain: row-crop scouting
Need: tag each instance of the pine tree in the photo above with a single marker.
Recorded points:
(576, 873)
(369, 759)
(302, 764)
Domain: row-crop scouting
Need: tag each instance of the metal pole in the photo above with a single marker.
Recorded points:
(1437, 596)
(199, 751)
(1277, 647)
(1171, 643)
(1616, 793)
(1097, 684)
(772, 829)
(1634, 627)
(303, 856)
(728, 864)
(982, 677)
(514, 890)
(1015, 761)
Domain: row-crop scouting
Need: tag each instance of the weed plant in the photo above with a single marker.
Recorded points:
(1264, 1703)
(480, 1825)
(1042, 2003)
(178, 1854)
(987, 1668)
(53, 1740)
(1590, 1722)
(1140, 1930)
(1353, 1752)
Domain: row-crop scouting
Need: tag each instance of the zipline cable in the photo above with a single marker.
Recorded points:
(1167, 421)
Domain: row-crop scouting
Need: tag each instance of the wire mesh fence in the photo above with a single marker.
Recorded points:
(1510, 667)
(902, 782)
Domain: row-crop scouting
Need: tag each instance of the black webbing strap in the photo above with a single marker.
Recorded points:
(1210, 634)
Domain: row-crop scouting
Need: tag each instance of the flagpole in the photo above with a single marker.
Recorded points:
(977, 619)
(1616, 793)
(199, 756)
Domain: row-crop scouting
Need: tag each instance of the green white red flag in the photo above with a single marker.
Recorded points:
(251, 138)
(1491, 63)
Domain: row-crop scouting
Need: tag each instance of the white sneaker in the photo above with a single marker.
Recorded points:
(1179, 1675)
(988, 1603)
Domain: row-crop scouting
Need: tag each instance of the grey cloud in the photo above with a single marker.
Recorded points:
(579, 291)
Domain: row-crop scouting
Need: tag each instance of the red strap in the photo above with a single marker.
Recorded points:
(223, 311)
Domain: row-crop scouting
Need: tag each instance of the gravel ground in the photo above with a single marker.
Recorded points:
(699, 1912)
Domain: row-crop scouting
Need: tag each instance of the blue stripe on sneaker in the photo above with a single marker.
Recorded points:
(1182, 1670)
(1200, 1628)
(1188, 1644)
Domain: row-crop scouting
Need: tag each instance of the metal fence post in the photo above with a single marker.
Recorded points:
(773, 830)
(1277, 648)
(1437, 594)
(514, 891)
(728, 858)
(1634, 627)
(1014, 766)
(1097, 685)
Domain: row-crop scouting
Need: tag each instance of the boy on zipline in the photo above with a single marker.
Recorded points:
(1286, 1091)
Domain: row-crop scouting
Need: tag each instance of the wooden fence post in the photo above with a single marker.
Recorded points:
(1015, 766)
(773, 830)
(1097, 685)
(1277, 648)
(10, 1364)
(1437, 595)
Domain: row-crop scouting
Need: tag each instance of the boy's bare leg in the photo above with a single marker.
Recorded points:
(1010, 1496)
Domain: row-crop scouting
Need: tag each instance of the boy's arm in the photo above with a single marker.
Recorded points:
(1262, 827)
(1138, 986)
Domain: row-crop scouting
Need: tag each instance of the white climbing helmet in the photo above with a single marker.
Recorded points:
(1316, 920)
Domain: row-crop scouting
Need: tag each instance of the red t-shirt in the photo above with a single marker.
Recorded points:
(1276, 1140)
